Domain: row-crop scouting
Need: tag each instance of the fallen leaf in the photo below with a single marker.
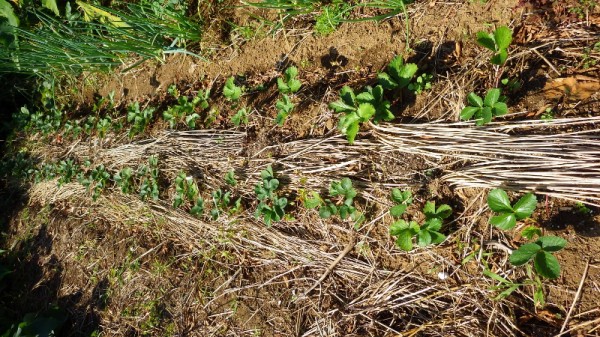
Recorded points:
(573, 88)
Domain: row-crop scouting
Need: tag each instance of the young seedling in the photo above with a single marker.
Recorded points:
(398, 74)
(231, 91)
(185, 189)
(230, 178)
(139, 119)
(359, 109)
(484, 109)
(401, 199)
(540, 252)
(66, 171)
(422, 83)
(271, 206)
(221, 202)
(284, 109)
(100, 176)
(198, 208)
(497, 42)
(149, 179)
(340, 202)
(428, 233)
(509, 214)
(240, 117)
(124, 180)
(289, 84)
(184, 110)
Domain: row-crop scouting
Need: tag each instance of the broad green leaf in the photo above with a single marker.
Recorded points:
(346, 121)
(437, 237)
(365, 111)
(404, 240)
(486, 40)
(344, 211)
(429, 209)
(475, 100)
(468, 112)
(398, 210)
(498, 201)
(347, 95)
(500, 109)
(365, 97)
(51, 5)
(443, 211)
(503, 37)
(294, 85)
(341, 106)
(326, 212)
(551, 243)
(377, 93)
(281, 203)
(282, 86)
(386, 81)
(525, 206)
(530, 232)
(414, 227)
(395, 66)
(398, 226)
(491, 97)
(423, 238)
(484, 116)
(546, 265)
(406, 74)
(499, 58)
(351, 132)
(504, 221)
(433, 224)
(313, 202)
(291, 72)
(525, 253)
(230, 90)
(7, 11)
(401, 196)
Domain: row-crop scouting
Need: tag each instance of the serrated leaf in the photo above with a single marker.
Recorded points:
(365, 111)
(546, 265)
(326, 212)
(503, 37)
(525, 206)
(341, 106)
(386, 81)
(351, 132)
(365, 97)
(347, 95)
(491, 97)
(398, 226)
(486, 40)
(504, 221)
(551, 243)
(437, 237)
(404, 240)
(443, 211)
(429, 209)
(282, 86)
(398, 210)
(313, 202)
(468, 112)
(7, 11)
(294, 85)
(498, 201)
(530, 232)
(500, 57)
(433, 224)
(500, 109)
(524, 253)
(291, 72)
(395, 65)
(423, 238)
(484, 116)
(475, 100)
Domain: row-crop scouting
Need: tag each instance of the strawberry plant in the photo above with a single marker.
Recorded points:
(148, 175)
(99, 178)
(139, 118)
(401, 199)
(398, 75)
(421, 83)
(340, 202)
(284, 109)
(241, 117)
(103, 125)
(124, 179)
(359, 109)
(497, 42)
(230, 178)
(66, 170)
(540, 252)
(484, 109)
(271, 207)
(426, 234)
(198, 208)
(289, 84)
(185, 188)
(185, 109)
(498, 201)
(231, 91)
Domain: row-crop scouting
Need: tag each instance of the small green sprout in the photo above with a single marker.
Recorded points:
(271, 206)
(428, 233)
(139, 119)
(148, 175)
(498, 42)
(231, 91)
(101, 177)
(540, 252)
(124, 180)
(289, 84)
(185, 189)
(422, 83)
(340, 202)
(398, 74)
(401, 200)
(284, 109)
(509, 214)
(198, 208)
(484, 109)
(240, 117)
(230, 178)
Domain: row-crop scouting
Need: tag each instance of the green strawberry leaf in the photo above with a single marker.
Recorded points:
(498, 201)
(525, 206)
(524, 253)
(504, 221)
(475, 100)
(468, 112)
(491, 97)
(486, 40)
(503, 37)
(398, 210)
(546, 265)
(551, 243)
(404, 240)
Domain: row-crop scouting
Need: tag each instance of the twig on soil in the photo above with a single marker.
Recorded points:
(576, 298)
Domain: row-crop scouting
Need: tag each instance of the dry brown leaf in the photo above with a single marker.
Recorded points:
(574, 88)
